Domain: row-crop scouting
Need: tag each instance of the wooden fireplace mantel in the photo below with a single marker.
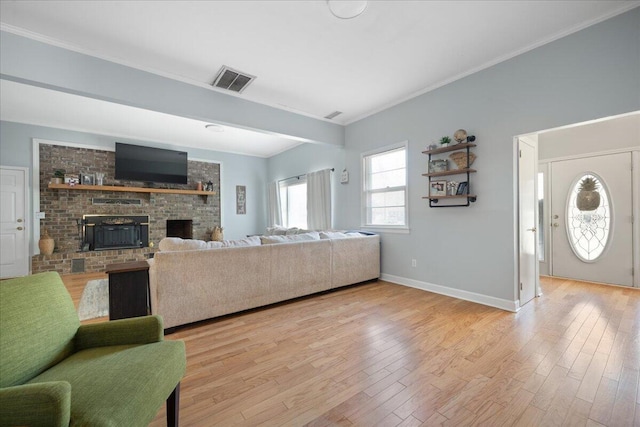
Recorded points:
(129, 189)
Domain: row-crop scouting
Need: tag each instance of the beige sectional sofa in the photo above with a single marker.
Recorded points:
(194, 280)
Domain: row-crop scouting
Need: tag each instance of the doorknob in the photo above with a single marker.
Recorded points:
(20, 228)
(555, 217)
(555, 224)
(532, 229)
(19, 219)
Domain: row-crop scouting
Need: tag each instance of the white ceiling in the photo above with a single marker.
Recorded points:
(305, 59)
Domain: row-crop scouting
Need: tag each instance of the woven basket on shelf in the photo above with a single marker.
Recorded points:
(460, 159)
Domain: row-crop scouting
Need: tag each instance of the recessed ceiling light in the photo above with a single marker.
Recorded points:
(214, 128)
(346, 9)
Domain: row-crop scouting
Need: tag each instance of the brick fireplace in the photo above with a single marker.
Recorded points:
(64, 209)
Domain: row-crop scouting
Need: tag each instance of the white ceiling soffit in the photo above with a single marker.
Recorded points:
(308, 61)
(44, 107)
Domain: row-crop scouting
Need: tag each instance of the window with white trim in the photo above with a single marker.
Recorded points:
(293, 202)
(385, 188)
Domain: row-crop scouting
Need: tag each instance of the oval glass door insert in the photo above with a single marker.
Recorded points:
(588, 222)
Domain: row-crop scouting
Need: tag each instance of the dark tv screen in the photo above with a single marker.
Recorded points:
(138, 163)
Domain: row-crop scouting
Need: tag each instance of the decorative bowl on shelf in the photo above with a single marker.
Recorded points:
(460, 159)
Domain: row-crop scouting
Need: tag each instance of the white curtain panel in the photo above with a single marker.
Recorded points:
(319, 200)
(275, 215)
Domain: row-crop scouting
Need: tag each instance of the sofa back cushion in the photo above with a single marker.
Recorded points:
(338, 234)
(249, 241)
(38, 322)
(311, 235)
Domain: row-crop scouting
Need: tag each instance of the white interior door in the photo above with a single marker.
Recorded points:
(14, 243)
(528, 202)
(593, 245)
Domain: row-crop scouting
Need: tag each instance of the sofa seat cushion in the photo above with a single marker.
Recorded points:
(119, 385)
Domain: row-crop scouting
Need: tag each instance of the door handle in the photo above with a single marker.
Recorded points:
(534, 229)
(20, 220)
(20, 228)
(555, 224)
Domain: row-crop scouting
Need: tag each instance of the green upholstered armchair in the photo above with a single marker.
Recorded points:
(56, 372)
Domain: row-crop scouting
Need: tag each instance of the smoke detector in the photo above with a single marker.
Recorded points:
(233, 80)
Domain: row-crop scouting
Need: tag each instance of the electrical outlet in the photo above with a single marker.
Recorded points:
(413, 263)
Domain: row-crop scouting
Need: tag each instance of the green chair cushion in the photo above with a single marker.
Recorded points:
(39, 322)
(119, 385)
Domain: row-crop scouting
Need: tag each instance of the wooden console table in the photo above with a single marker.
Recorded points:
(128, 290)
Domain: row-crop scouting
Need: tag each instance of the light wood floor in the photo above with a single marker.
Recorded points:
(384, 354)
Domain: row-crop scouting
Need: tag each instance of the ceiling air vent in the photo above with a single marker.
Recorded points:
(232, 80)
(332, 115)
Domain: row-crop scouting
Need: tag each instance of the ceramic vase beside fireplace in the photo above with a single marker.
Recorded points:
(46, 243)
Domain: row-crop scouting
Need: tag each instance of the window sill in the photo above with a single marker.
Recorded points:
(378, 229)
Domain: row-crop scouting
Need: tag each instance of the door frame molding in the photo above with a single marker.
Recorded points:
(27, 212)
(532, 140)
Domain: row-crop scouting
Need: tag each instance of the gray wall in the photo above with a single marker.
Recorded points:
(587, 75)
(16, 150)
(32, 62)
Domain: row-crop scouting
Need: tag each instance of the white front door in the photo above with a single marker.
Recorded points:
(528, 202)
(14, 243)
(593, 244)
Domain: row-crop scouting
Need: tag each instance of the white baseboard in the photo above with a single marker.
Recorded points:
(502, 304)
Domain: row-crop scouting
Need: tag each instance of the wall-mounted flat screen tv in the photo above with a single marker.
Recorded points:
(148, 164)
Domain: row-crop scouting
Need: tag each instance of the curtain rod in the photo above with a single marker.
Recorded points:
(300, 176)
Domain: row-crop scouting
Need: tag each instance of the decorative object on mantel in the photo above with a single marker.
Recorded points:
(208, 186)
(460, 135)
(87, 179)
(588, 198)
(460, 158)
(71, 179)
(217, 234)
(471, 138)
(58, 176)
(444, 141)
(99, 178)
(199, 186)
(46, 244)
